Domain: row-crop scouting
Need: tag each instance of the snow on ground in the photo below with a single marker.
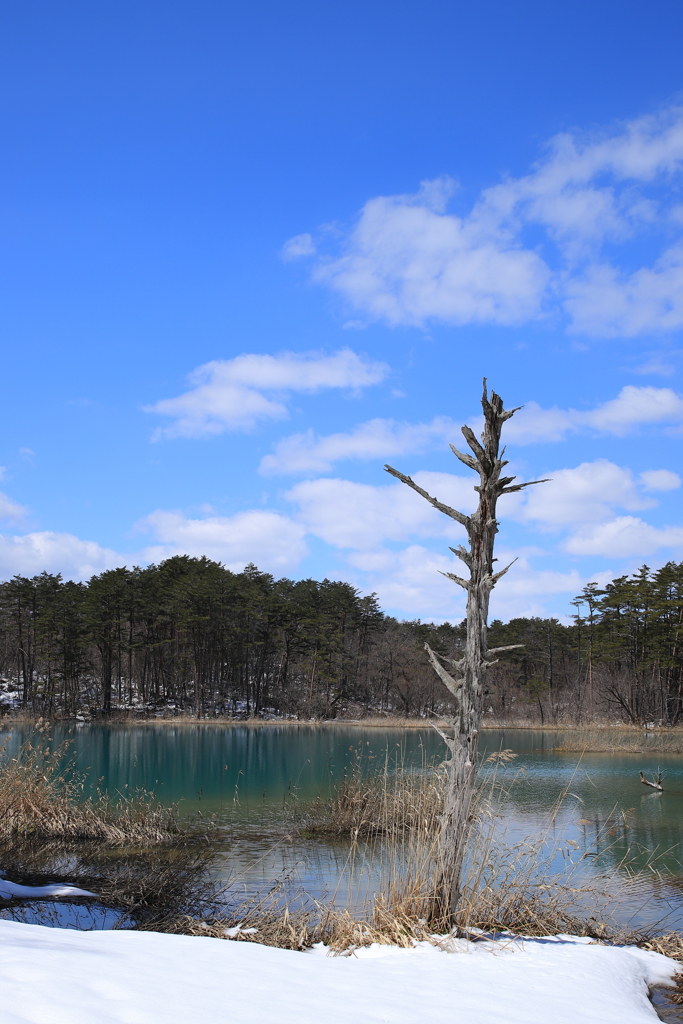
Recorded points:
(54, 976)
(10, 889)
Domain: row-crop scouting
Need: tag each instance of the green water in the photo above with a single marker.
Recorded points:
(225, 770)
(249, 778)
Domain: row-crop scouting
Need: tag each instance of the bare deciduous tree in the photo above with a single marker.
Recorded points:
(465, 677)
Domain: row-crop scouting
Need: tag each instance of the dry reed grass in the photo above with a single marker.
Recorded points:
(398, 800)
(42, 799)
(141, 885)
(340, 930)
(129, 851)
(371, 722)
(518, 887)
(392, 822)
(670, 944)
(506, 885)
(622, 739)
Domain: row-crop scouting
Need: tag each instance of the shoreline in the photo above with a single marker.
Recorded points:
(371, 722)
(617, 738)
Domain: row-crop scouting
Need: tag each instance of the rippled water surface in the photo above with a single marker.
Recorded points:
(249, 777)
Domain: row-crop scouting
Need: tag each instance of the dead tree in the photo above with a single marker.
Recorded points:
(465, 676)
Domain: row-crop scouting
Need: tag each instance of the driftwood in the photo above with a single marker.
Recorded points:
(657, 784)
(465, 676)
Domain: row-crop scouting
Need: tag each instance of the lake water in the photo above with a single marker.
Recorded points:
(248, 777)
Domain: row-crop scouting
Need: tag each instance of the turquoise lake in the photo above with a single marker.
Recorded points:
(247, 779)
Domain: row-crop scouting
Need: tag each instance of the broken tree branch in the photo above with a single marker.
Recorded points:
(657, 784)
(454, 685)
(491, 581)
(457, 579)
(463, 554)
(446, 509)
(529, 483)
(450, 743)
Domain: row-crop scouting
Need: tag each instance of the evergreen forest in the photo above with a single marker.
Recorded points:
(190, 637)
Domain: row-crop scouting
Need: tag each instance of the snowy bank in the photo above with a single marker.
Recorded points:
(51, 976)
(12, 889)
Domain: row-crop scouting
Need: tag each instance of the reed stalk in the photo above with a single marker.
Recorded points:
(622, 739)
(43, 799)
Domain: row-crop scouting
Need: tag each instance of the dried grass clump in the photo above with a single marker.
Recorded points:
(625, 739)
(42, 799)
(397, 801)
(341, 930)
(505, 886)
(140, 887)
(670, 945)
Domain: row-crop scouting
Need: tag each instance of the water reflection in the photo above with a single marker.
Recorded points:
(217, 769)
(63, 914)
(249, 778)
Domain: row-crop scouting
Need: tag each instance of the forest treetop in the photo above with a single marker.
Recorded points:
(190, 635)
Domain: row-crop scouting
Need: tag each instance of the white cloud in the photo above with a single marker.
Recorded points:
(584, 190)
(633, 407)
(407, 261)
(660, 480)
(360, 516)
(379, 529)
(235, 394)
(609, 302)
(623, 537)
(10, 511)
(309, 453)
(380, 439)
(300, 245)
(655, 366)
(533, 424)
(410, 583)
(525, 591)
(273, 542)
(51, 552)
(588, 493)
(583, 501)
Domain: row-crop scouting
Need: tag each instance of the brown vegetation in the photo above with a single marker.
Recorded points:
(42, 799)
(392, 817)
(393, 820)
(129, 851)
(622, 739)
(390, 803)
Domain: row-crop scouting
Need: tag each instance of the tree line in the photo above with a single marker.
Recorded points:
(189, 636)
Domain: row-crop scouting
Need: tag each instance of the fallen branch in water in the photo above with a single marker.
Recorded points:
(657, 784)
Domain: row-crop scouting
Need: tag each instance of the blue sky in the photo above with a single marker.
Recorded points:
(251, 252)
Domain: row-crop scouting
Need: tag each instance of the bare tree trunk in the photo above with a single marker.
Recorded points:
(466, 682)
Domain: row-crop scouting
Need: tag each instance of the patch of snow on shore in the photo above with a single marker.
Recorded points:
(50, 976)
(10, 889)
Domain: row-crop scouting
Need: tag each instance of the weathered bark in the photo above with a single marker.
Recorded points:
(657, 784)
(465, 677)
